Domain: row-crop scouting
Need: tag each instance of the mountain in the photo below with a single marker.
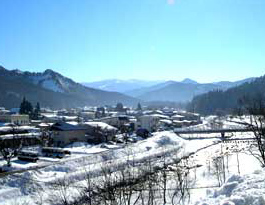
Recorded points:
(177, 92)
(227, 101)
(52, 90)
(120, 85)
(189, 81)
(181, 91)
(142, 91)
(228, 84)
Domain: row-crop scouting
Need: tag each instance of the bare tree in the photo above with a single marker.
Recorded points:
(255, 107)
(10, 146)
(61, 193)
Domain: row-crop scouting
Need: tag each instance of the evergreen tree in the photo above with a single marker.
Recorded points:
(25, 107)
(139, 107)
(119, 107)
(36, 112)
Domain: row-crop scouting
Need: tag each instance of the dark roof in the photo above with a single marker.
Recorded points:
(123, 118)
(63, 126)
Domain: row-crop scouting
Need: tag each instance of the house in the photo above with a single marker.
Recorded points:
(12, 136)
(88, 115)
(49, 117)
(165, 124)
(98, 132)
(3, 111)
(178, 117)
(190, 116)
(15, 119)
(64, 133)
(116, 121)
(149, 122)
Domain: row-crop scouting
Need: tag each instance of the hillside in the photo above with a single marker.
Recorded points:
(218, 102)
(52, 90)
(181, 91)
(177, 92)
(121, 85)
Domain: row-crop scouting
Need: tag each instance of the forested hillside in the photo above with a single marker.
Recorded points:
(222, 102)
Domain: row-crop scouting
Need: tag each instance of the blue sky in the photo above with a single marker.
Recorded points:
(89, 40)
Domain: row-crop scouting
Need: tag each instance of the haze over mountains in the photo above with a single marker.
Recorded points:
(234, 99)
(121, 86)
(165, 91)
(52, 90)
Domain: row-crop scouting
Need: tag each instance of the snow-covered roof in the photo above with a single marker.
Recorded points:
(73, 122)
(177, 121)
(177, 116)
(49, 115)
(24, 135)
(18, 128)
(43, 125)
(160, 116)
(102, 125)
(63, 126)
(68, 117)
(166, 121)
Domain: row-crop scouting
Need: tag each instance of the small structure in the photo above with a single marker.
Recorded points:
(29, 156)
(178, 117)
(116, 121)
(13, 136)
(64, 133)
(15, 119)
(149, 122)
(98, 132)
(54, 152)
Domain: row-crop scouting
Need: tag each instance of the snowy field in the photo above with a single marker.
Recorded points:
(242, 181)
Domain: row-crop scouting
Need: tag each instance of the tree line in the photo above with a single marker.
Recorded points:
(27, 109)
(227, 102)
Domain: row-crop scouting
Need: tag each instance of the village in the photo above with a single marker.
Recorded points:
(44, 148)
(56, 129)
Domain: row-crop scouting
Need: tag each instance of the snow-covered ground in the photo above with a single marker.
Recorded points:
(93, 158)
(242, 182)
(238, 190)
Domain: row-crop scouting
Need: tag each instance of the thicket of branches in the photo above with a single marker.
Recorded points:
(147, 183)
(255, 108)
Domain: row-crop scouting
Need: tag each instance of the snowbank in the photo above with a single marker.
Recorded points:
(239, 190)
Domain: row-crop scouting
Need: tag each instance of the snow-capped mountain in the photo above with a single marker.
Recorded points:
(181, 91)
(52, 89)
(51, 80)
(122, 86)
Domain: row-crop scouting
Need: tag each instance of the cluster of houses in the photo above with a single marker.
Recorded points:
(90, 124)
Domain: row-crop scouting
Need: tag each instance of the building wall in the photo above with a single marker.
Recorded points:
(62, 138)
(15, 119)
(148, 122)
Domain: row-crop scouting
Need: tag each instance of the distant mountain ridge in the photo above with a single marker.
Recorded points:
(170, 91)
(181, 91)
(53, 90)
(189, 81)
(229, 101)
(122, 86)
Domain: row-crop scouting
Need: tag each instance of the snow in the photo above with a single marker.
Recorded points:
(242, 186)
(159, 116)
(102, 125)
(50, 84)
(84, 157)
(239, 190)
(166, 121)
(47, 80)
